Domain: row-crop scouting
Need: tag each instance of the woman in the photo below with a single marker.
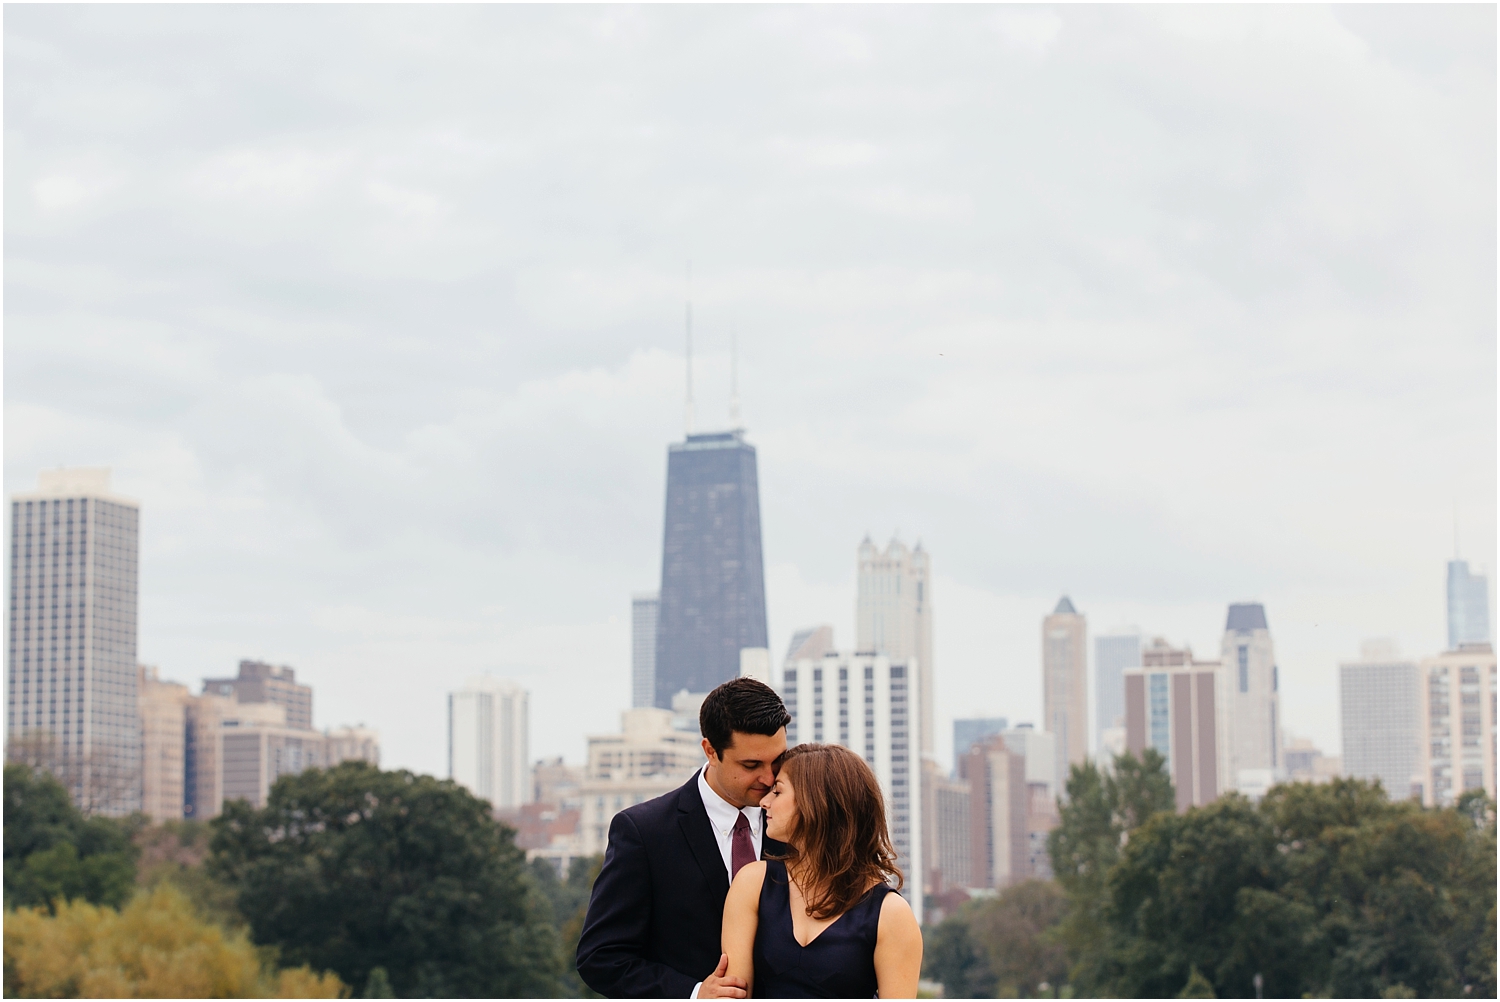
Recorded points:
(821, 921)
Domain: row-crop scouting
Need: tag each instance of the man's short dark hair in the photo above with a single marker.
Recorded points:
(744, 705)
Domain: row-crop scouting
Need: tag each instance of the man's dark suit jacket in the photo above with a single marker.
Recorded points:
(652, 928)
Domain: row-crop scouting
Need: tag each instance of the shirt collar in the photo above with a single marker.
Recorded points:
(720, 811)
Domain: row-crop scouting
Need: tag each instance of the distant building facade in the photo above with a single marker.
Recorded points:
(1113, 654)
(713, 592)
(969, 731)
(643, 615)
(1178, 707)
(1379, 713)
(1457, 714)
(647, 758)
(1253, 681)
(72, 675)
(163, 712)
(1468, 606)
(489, 741)
(1065, 685)
(259, 682)
(893, 616)
(869, 704)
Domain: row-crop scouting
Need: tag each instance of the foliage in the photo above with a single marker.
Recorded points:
(569, 900)
(1000, 947)
(175, 853)
(353, 868)
(1102, 809)
(53, 853)
(156, 947)
(1325, 889)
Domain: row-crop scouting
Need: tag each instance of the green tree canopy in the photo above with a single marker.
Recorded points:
(54, 854)
(1000, 947)
(352, 868)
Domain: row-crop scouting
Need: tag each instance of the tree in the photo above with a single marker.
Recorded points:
(1101, 811)
(352, 868)
(569, 900)
(1000, 947)
(155, 947)
(53, 853)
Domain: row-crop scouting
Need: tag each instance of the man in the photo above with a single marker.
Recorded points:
(652, 929)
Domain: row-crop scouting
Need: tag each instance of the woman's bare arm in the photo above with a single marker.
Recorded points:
(898, 950)
(741, 919)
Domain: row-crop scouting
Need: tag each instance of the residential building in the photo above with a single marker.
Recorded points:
(999, 800)
(553, 781)
(870, 704)
(971, 730)
(1113, 654)
(1379, 712)
(259, 682)
(686, 707)
(540, 825)
(1065, 685)
(1253, 685)
(489, 747)
(893, 616)
(1306, 763)
(648, 758)
(163, 713)
(1468, 606)
(72, 675)
(809, 643)
(352, 744)
(1457, 713)
(713, 593)
(258, 747)
(203, 775)
(1178, 706)
(755, 662)
(953, 855)
(644, 607)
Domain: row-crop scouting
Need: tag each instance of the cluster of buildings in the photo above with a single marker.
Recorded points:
(119, 737)
(1424, 728)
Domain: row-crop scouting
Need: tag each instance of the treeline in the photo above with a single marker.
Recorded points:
(1319, 890)
(349, 881)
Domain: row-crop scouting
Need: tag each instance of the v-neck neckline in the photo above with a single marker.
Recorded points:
(792, 918)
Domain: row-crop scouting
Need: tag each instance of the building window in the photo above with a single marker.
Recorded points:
(1159, 709)
(1244, 668)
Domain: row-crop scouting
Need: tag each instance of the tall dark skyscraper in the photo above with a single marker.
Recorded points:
(713, 585)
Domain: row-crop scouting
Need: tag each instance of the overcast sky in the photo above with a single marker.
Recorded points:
(379, 313)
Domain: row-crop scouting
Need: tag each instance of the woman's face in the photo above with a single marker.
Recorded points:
(781, 809)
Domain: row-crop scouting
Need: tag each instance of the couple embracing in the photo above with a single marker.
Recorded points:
(766, 874)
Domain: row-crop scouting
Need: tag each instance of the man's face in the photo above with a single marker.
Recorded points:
(749, 766)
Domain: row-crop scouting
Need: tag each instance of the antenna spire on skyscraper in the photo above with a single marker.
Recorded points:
(734, 381)
(688, 410)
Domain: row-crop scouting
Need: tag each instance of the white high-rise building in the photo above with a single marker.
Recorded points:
(650, 756)
(894, 617)
(71, 678)
(1456, 710)
(644, 607)
(1065, 685)
(1253, 684)
(1379, 703)
(1468, 605)
(489, 745)
(869, 703)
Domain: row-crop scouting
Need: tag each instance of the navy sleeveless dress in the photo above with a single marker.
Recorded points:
(838, 964)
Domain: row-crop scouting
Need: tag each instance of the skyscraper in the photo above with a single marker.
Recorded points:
(72, 675)
(489, 744)
(259, 682)
(1456, 711)
(1177, 706)
(163, 708)
(867, 703)
(893, 616)
(713, 590)
(1468, 606)
(643, 613)
(1251, 676)
(1065, 685)
(1379, 702)
(1113, 653)
(970, 731)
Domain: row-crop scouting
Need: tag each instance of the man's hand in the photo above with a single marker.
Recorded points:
(718, 986)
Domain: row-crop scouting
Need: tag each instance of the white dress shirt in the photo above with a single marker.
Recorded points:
(721, 816)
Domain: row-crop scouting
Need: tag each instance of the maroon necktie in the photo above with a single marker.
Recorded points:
(741, 848)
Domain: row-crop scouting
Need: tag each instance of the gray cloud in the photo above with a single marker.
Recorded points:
(379, 309)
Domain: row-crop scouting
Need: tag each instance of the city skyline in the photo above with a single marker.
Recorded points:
(408, 413)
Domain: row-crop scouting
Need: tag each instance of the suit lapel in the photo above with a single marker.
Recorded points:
(699, 832)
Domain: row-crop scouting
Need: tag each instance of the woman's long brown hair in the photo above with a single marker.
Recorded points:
(843, 846)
